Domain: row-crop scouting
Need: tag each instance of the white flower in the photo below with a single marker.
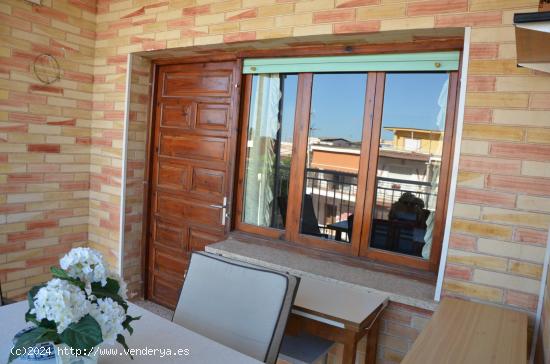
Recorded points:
(110, 316)
(86, 264)
(61, 302)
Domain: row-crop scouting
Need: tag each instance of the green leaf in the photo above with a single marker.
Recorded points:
(61, 274)
(126, 323)
(83, 335)
(45, 323)
(122, 341)
(110, 290)
(31, 317)
(30, 339)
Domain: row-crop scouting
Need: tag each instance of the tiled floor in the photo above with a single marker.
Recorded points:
(155, 308)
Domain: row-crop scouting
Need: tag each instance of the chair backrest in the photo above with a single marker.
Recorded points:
(239, 305)
(310, 224)
(350, 226)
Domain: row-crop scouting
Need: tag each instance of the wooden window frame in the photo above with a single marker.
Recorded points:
(432, 263)
(360, 244)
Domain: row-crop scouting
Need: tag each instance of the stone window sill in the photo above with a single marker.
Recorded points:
(404, 287)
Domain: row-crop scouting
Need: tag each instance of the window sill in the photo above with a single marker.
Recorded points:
(402, 285)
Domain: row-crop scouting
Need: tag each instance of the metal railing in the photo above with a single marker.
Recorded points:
(333, 195)
(389, 190)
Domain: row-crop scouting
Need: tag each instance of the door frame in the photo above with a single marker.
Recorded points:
(424, 45)
(149, 150)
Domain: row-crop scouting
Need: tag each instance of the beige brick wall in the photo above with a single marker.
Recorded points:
(400, 326)
(61, 145)
(135, 171)
(501, 214)
(44, 138)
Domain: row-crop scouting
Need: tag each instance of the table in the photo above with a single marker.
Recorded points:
(468, 332)
(150, 331)
(340, 227)
(340, 313)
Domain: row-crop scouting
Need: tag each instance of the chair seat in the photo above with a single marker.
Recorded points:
(304, 348)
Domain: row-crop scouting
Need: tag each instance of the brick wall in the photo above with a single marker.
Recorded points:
(44, 138)
(501, 212)
(400, 326)
(135, 171)
(499, 228)
(61, 145)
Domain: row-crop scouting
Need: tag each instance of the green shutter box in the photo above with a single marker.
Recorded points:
(427, 61)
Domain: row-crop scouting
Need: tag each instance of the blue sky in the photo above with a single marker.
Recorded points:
(410, 100)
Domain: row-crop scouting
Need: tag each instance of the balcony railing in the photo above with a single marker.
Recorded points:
(333, 195)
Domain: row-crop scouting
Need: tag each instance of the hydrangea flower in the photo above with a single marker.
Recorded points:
(61, 302)
(86, 264)
(110, 316)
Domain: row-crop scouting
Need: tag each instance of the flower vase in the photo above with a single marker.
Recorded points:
(64, 355)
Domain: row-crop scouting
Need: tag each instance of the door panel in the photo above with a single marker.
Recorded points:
(178, 114)
(169, 235)
(189, 82)
(168, 263)
(162, 291)
(213, 116)
(172, 206)
(198, 238)
(191, 168)
(208, 181)
(194, 147)
(172, 176)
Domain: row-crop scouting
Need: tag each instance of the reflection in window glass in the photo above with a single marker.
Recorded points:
(333, 151)
(269, 149)
(411, 143)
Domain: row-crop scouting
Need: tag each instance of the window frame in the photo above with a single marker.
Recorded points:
(432, 263)
(372, 122)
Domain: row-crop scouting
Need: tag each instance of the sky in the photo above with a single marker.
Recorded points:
(410, 100)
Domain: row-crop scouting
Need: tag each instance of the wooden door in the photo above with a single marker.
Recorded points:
(193, 149)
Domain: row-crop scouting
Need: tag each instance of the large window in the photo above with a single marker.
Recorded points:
(269, 149)
(332, 154)
(353, 161)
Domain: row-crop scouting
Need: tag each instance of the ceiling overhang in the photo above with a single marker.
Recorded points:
(392, 41)
(533, 40)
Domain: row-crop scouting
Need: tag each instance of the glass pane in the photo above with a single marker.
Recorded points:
(333, 151)
(411, 143)
(269, 148)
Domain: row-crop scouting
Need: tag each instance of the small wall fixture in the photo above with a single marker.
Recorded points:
(46, 69)
(533, 40)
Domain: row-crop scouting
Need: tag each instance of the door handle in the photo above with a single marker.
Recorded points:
(224, 209)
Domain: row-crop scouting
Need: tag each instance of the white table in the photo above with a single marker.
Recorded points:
(335, 303)
(151, 331)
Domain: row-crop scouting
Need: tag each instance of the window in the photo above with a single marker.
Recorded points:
(269, 149)
(409, 162)
(341, 155)
(332, 154)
